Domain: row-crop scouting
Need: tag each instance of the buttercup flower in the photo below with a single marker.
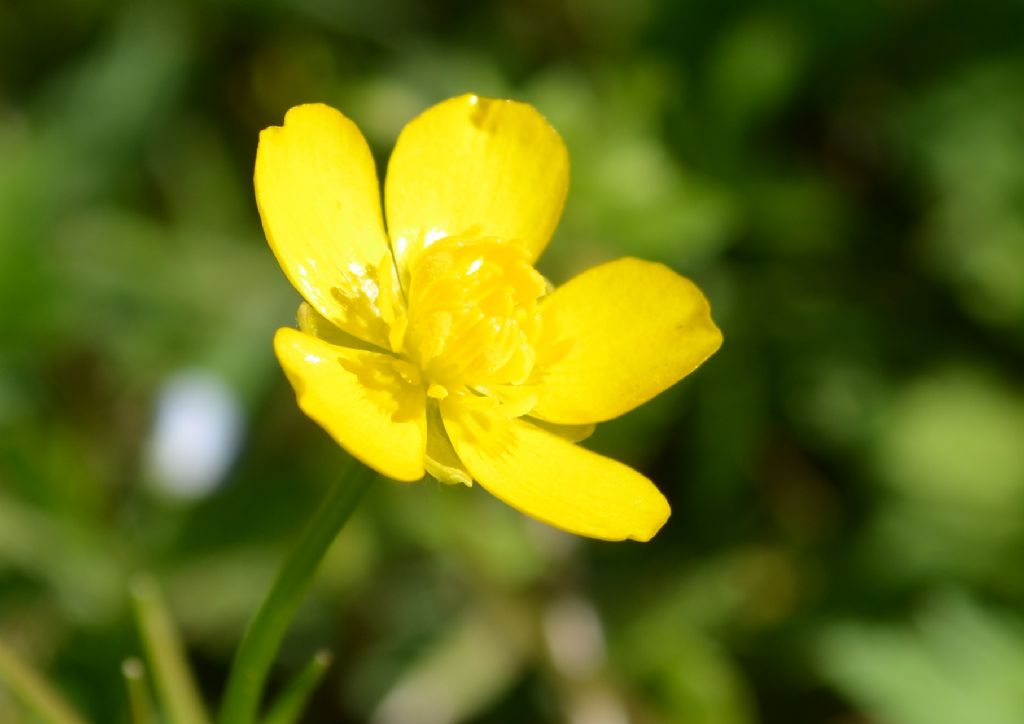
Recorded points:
(435, 346)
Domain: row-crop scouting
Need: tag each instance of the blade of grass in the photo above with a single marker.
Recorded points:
(34, 691)
(139, 703)
(263, 638)
(175, 686)
(288, 706)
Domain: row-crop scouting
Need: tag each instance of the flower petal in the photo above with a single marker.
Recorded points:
(441, 461)
(318, 197)
(313, 323)
(572, 433)
(476, 165)
(635, 328)
(360, 399)
(552, 480)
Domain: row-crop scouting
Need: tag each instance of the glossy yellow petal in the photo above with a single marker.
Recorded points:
(312, 322)
(553, 480)
(634, 328)
(476, 166)
(441, 462)
(360, 399)
(318, 197)
(572, 433)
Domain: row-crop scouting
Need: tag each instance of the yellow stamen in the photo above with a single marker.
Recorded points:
(473, 316)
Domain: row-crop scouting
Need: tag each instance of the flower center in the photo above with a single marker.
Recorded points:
(473, 317)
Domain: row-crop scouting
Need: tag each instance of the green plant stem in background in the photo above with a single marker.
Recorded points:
(139, 703)
(33, 691)
(179, 697)
(288, 706)
(263, 638)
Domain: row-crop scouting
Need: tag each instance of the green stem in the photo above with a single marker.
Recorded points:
(175, 686)
(34, 691)
(288, 706)
(263, 638)
(139, 704)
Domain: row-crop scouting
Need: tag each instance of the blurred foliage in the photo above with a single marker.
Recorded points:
(845, 180)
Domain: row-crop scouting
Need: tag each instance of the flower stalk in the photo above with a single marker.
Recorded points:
(35, 692)
(288, 706)
(263, 637)
(140, 707)
(175, 684)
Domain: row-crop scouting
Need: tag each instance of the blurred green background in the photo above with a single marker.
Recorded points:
(844, 180)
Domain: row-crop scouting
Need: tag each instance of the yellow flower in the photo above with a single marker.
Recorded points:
(435, 346)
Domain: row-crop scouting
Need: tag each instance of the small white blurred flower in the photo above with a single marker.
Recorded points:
(196, 433)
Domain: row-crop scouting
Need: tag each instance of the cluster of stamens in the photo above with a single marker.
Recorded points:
(463, 320)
